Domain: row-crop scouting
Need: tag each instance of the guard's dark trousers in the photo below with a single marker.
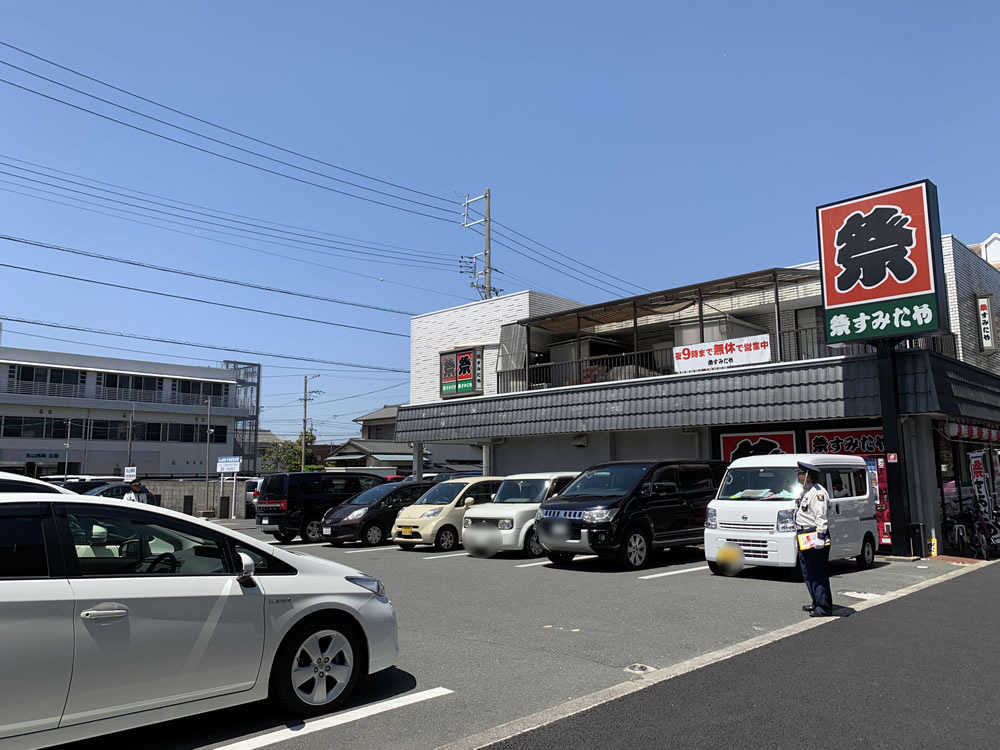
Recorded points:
(815, 572)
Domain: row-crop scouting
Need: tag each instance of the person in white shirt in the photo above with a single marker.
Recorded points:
(811, 516)
(136, 493)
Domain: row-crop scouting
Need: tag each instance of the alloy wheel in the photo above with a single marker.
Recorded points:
(322, 667)
(314, 531)
(535, 548)
(636, 549)
(374, 535)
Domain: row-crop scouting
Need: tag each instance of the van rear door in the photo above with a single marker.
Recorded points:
(845, 536)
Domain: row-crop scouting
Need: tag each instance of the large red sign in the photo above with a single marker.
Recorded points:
(862, 441)
(756, 444)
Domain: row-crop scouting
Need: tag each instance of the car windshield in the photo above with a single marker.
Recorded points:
(605, 481)
(773, 483)
(521, 491)
(441, 494)
(372, 496)
(96, 490)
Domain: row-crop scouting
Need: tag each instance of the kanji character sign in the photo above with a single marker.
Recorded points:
(871, 246)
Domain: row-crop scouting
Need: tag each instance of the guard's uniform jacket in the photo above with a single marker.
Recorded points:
(136, 497)
(811, 513)
(811, 510)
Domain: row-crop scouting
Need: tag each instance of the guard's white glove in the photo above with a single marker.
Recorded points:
(818, 543)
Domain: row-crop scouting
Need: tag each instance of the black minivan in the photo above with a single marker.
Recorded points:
(625, 509)
(294, 503)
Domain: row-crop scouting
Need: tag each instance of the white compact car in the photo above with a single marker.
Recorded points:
(512, 513)
(116, 615)
(10, 482)
(753, 514)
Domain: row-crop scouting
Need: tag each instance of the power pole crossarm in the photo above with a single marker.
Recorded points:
(486, 290)
(306, 398)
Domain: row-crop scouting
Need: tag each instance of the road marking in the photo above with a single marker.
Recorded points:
(577, 705)
(673, 573)
(336, 720)
(547, 562)
(860, 595)
(372, 549)
(442, 557)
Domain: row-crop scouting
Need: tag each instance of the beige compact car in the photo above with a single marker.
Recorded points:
(436, 518)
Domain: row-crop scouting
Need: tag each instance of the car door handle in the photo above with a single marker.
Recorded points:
(104, 614)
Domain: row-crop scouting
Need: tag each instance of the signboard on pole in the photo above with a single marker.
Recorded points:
(227, 464)
(984, 318)
(130, 473)
(881, 264)
(718, 355)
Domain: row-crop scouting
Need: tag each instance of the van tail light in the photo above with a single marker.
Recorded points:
(256, 493)
(273, 505)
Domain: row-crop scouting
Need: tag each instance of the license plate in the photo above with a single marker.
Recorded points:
(263, 522)
(327, 531)
(560, 529)
(406, 531)
(729, 554)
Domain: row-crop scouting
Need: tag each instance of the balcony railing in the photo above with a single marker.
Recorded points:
(795, 346)
(131, 395)
(28, 388)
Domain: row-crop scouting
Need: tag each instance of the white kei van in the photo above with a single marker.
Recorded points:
(754, 509)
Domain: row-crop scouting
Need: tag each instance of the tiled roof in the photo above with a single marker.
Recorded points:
(386, 412)
(373, 446)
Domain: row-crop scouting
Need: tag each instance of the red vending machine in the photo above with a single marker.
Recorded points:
(876, 474)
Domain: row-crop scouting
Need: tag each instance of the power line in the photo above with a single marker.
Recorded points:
(193, 274)
(228, 130)
(142, 337)
(388, 257)
(241, 308)
(214, 239)
(221, 156)
(358, 395)
(232, 146)
(212, 213)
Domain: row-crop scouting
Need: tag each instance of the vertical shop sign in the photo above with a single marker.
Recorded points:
(984, 316)
(881, 264)
(448, 375)
(980, 483)
(462, 373)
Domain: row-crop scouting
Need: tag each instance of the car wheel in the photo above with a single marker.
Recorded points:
(317, 666)
(867, 557)
(533, 545)
(635, 549)
(405, 547)
(372, 535)
(312, 531)
(284, 536)
(714, 568)
(560, 558)
(446, 539)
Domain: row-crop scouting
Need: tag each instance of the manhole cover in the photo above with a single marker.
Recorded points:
(639, 669)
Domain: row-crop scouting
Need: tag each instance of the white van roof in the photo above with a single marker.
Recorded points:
(544, 475)
(820, 460)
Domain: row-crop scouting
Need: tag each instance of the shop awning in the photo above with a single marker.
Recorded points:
(973, 432)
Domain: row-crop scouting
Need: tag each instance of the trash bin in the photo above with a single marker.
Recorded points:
(918, 540)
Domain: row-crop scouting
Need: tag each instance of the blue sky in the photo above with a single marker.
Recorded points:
(663, 143)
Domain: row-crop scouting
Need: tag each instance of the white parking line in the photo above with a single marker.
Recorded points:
(442, 557)
(336, 720)
(372, 549)
(673, 573)
(860, 595)
(546, 562)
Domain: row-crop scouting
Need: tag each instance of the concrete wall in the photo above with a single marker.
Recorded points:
(474, 324)
(172, 493)
(968, 275)
(558, 452)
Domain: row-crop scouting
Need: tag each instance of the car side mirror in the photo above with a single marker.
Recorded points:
(245, 576)
(493, 497)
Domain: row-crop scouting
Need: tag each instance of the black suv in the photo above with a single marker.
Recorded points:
(626, 509)
(294, 503)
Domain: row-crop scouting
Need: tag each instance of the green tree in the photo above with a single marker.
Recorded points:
(286, 455)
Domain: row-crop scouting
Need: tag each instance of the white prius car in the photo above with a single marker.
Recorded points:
(115, 615)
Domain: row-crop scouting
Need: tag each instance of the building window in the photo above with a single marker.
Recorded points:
(187, 433)
(12, 426)
(33, 427)
(173, 433)
(99, 429)
(56, 428)
(219, 434)
(383, 431)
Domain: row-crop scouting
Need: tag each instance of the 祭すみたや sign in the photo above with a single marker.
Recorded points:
(881, 264)
(855, 441)
(462, 373)
(718, 355)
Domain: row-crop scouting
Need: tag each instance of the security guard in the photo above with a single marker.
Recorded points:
(811, 516)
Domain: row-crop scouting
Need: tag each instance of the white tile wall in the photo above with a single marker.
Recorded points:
(966, 276)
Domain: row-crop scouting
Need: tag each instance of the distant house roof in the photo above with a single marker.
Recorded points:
(379, 448)
(266, 437)
(386, 412)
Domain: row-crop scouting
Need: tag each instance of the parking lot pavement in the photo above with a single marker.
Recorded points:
(509, 636)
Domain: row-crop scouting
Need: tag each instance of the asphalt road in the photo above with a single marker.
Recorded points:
(917, 672)
(509, 636)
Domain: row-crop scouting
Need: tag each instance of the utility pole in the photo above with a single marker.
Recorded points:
(306, 398)
(486, 289)
(208, 447)
(131, 424)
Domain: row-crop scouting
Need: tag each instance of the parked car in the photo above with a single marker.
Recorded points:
(294, 503)
(83, 484)
(110, 491)
(753, 518)
(246, 621)
(251, 491)
(10, 482)
(437, 516)
(395, 477)
(413, 477)
(456, 475)
(368, 516)
(508, 523)
(626, 509)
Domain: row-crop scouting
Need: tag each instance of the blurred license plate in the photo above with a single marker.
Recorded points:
(560, 529)
(263, 521)
(327, 531)
(406, 531)
(730, 553)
